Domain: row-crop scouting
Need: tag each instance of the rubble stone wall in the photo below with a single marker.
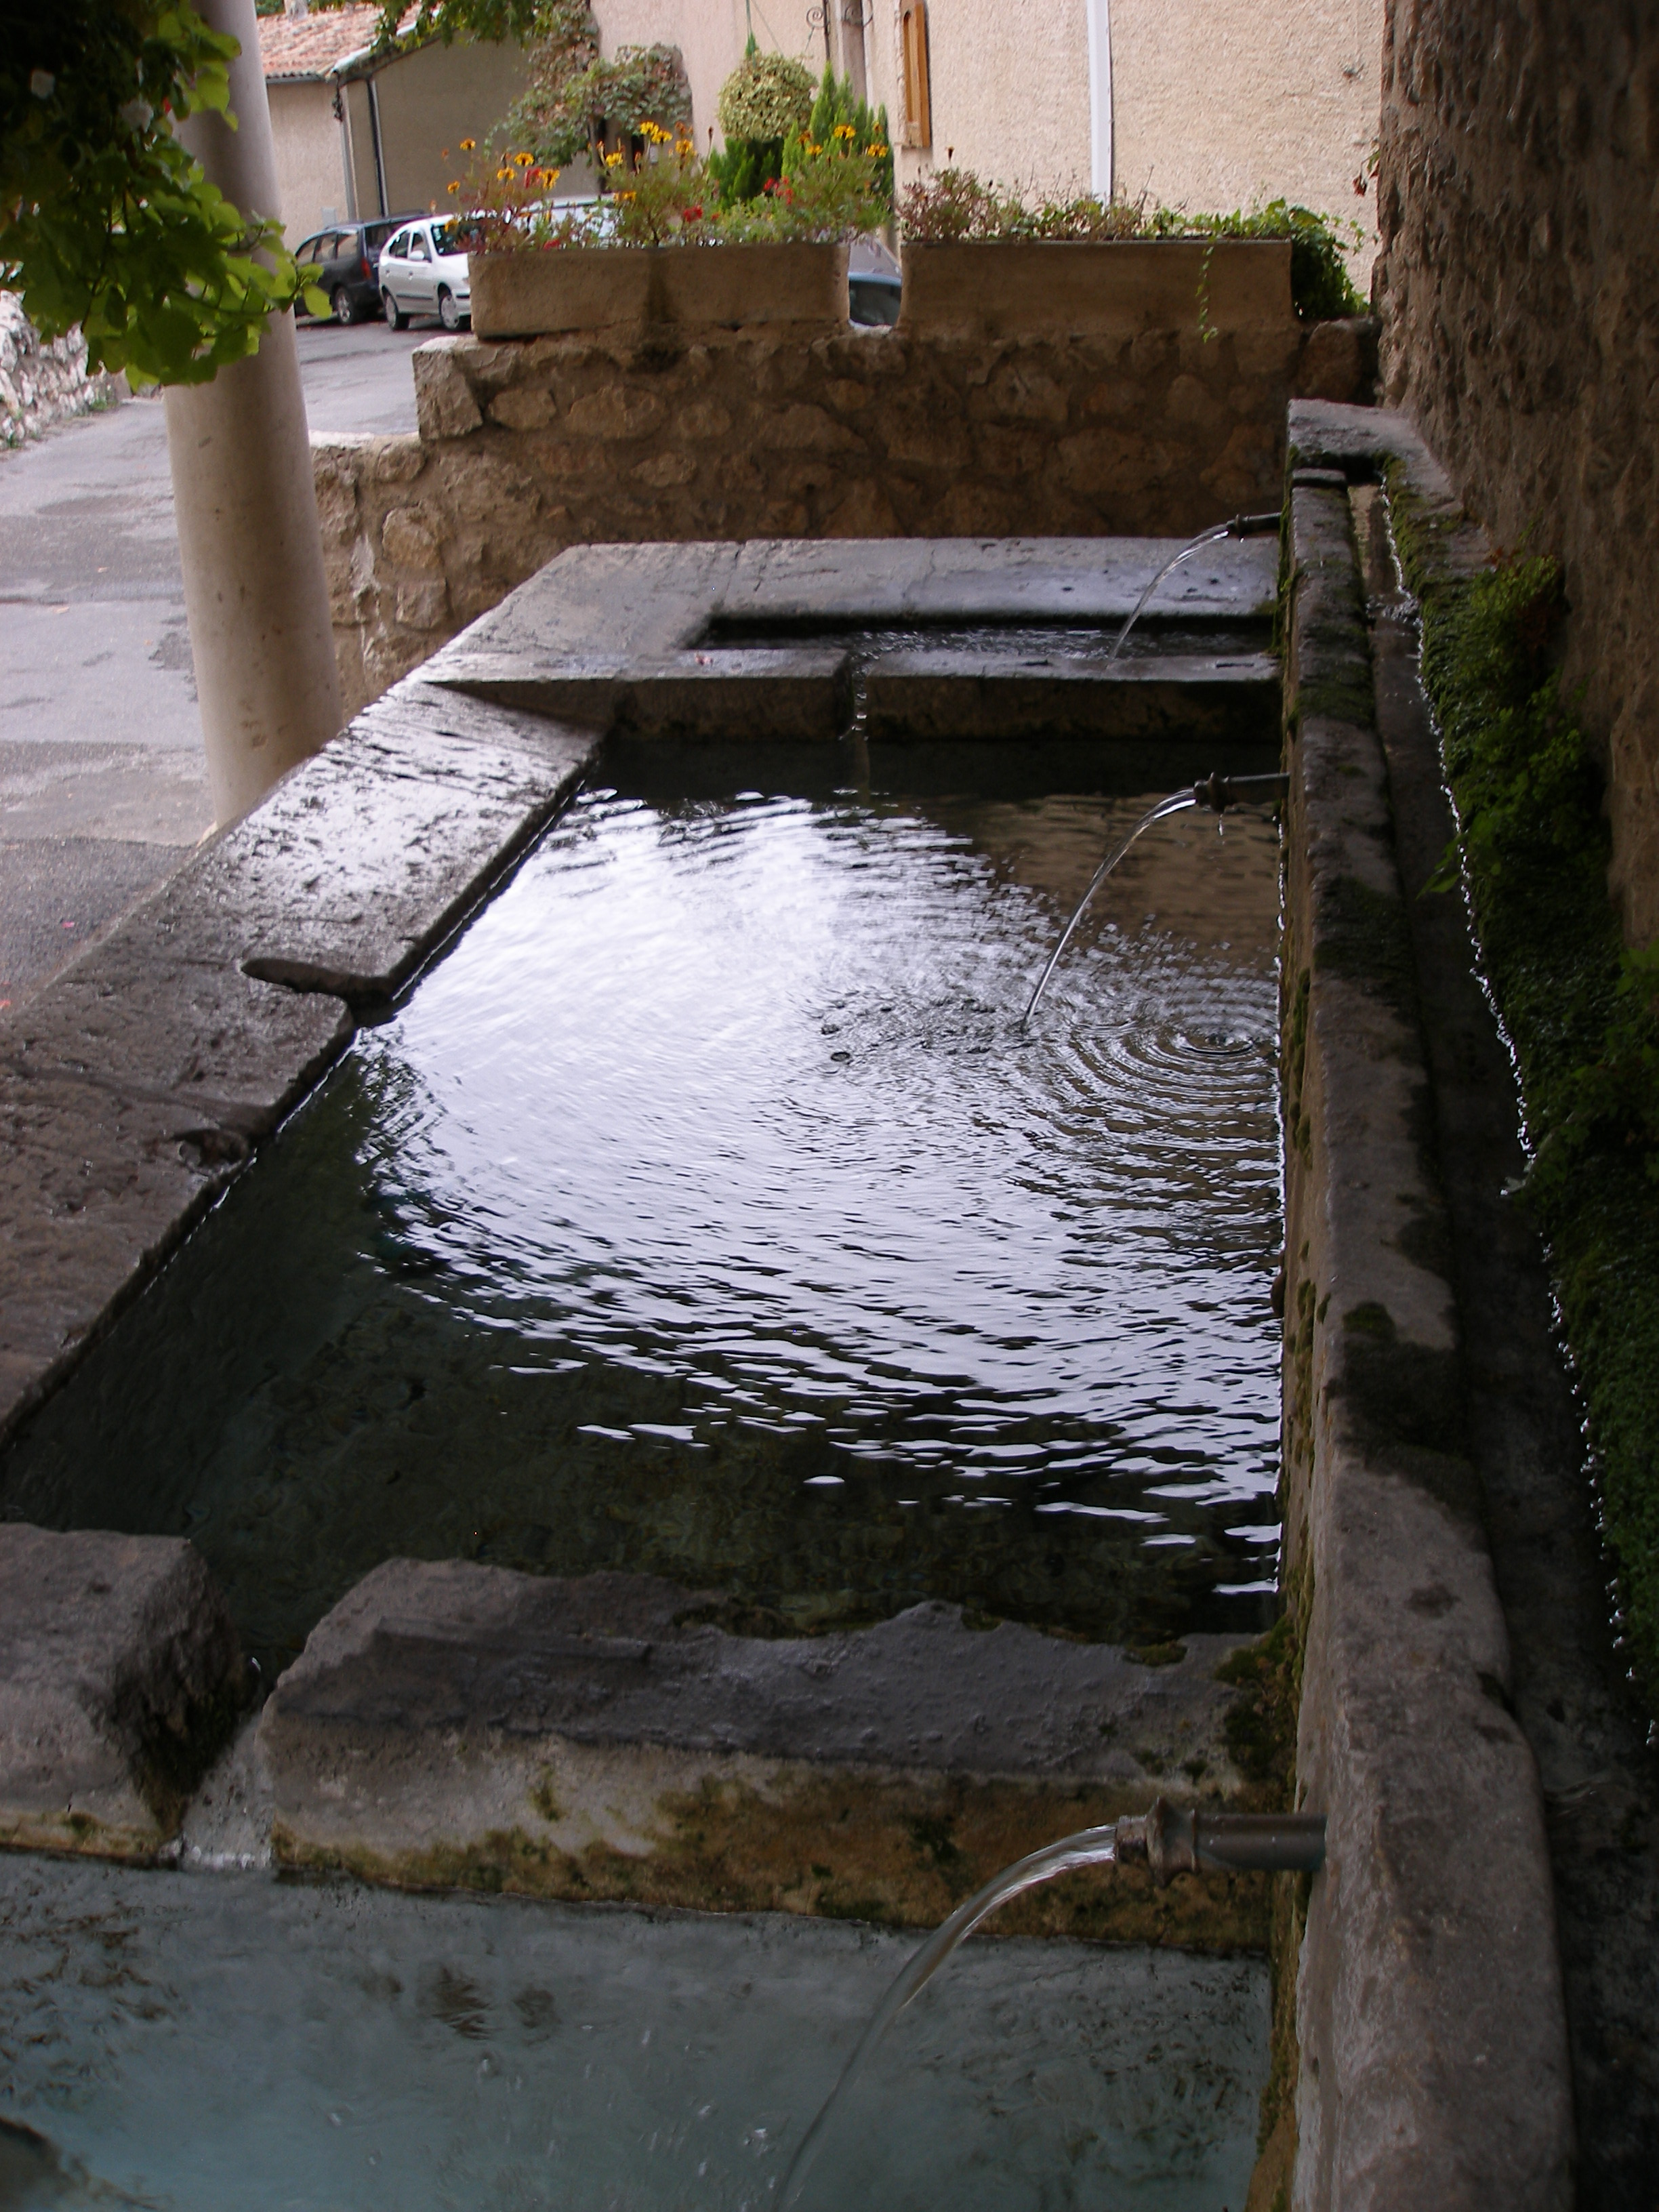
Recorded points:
(528, 446)
(1520, 263)
(40, 383)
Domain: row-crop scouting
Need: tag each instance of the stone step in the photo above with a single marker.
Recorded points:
(451, 1724)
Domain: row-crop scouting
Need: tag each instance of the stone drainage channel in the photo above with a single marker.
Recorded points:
(464, 1725)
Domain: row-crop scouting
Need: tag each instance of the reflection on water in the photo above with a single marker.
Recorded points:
(704, 1212)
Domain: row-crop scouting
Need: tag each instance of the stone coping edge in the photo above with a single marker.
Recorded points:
(135, 1084)
(1433, 2063)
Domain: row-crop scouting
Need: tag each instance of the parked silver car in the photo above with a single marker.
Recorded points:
(423, 272)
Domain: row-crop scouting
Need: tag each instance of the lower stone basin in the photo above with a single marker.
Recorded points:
(230, 2041)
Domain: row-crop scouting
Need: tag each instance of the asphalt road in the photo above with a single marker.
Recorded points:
(102, 786)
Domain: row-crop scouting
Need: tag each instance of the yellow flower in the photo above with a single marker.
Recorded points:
(843, 130)
(613, 160)
(654, 134)
(503, 176)
(469, 145)
(525, 161)
(877, 152)
(453, 186)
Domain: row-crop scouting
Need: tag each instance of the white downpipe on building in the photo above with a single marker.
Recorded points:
(1100, 97)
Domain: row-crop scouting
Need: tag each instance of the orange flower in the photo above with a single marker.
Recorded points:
(469, 145)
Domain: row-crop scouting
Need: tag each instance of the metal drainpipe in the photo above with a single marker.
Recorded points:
(261, 635)
(1099, 12)
(379, 152)
(348, 151)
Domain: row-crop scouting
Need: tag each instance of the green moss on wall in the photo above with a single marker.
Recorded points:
(1582, 1011)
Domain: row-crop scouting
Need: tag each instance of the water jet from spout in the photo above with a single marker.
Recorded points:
(1169, 1839)
(1217, 792)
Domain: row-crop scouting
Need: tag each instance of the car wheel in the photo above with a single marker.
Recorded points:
(346, 310)
(394, 314)
(448, 313)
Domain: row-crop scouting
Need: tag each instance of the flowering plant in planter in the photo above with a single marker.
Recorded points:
(668, 197)
(831, 191)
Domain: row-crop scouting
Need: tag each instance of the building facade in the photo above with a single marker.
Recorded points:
(1202, 105)
(362, 132)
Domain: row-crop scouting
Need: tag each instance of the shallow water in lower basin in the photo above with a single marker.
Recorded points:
(704, 1212)
(229, 2043)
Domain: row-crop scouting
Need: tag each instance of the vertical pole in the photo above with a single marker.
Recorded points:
(1099, 17)
(255, 590)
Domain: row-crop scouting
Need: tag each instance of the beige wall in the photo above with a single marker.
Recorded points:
(1010, 83)
(433, 99)
(710, 36)
(1230, 104)
(310, 166)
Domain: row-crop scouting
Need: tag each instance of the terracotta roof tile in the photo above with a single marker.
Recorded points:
(313, 44)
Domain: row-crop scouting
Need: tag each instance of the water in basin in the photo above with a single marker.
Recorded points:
(230, 2042)
(702, 1211)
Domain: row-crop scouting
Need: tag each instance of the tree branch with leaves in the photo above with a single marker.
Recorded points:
(106, 220)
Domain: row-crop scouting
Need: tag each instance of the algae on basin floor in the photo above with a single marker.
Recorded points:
(703, 1211)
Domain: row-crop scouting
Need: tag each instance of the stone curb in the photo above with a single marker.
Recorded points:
(134, 1085)
(120, 1677)
(1433, 2057)
(451, 1724)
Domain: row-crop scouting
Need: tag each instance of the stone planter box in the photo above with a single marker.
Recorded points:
(1028, 287)
(520, 295)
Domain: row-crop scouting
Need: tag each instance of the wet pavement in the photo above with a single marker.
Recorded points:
(103, 788)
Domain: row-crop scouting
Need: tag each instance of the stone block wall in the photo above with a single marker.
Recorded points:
(1517, 279)
(528, 446)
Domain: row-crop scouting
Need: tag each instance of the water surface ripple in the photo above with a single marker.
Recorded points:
(705, 1211)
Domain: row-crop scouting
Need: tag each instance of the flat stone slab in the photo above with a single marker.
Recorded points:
(453, 1723)
(1022, 691)
(136, 1082)
(119, 1679)
(230, 1053)
(674, 639)
(96, 1186)
(364, 858)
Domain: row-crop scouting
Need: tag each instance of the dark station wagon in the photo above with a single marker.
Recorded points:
(349, 257)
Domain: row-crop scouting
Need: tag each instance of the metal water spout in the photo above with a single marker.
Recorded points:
(1240, 525)
(1174, 1839)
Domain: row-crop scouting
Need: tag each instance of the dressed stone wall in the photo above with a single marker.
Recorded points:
(1519, 268)
(526, 447)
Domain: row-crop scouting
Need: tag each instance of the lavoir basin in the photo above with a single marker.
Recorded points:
(705, 1212)
(702, 1210)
